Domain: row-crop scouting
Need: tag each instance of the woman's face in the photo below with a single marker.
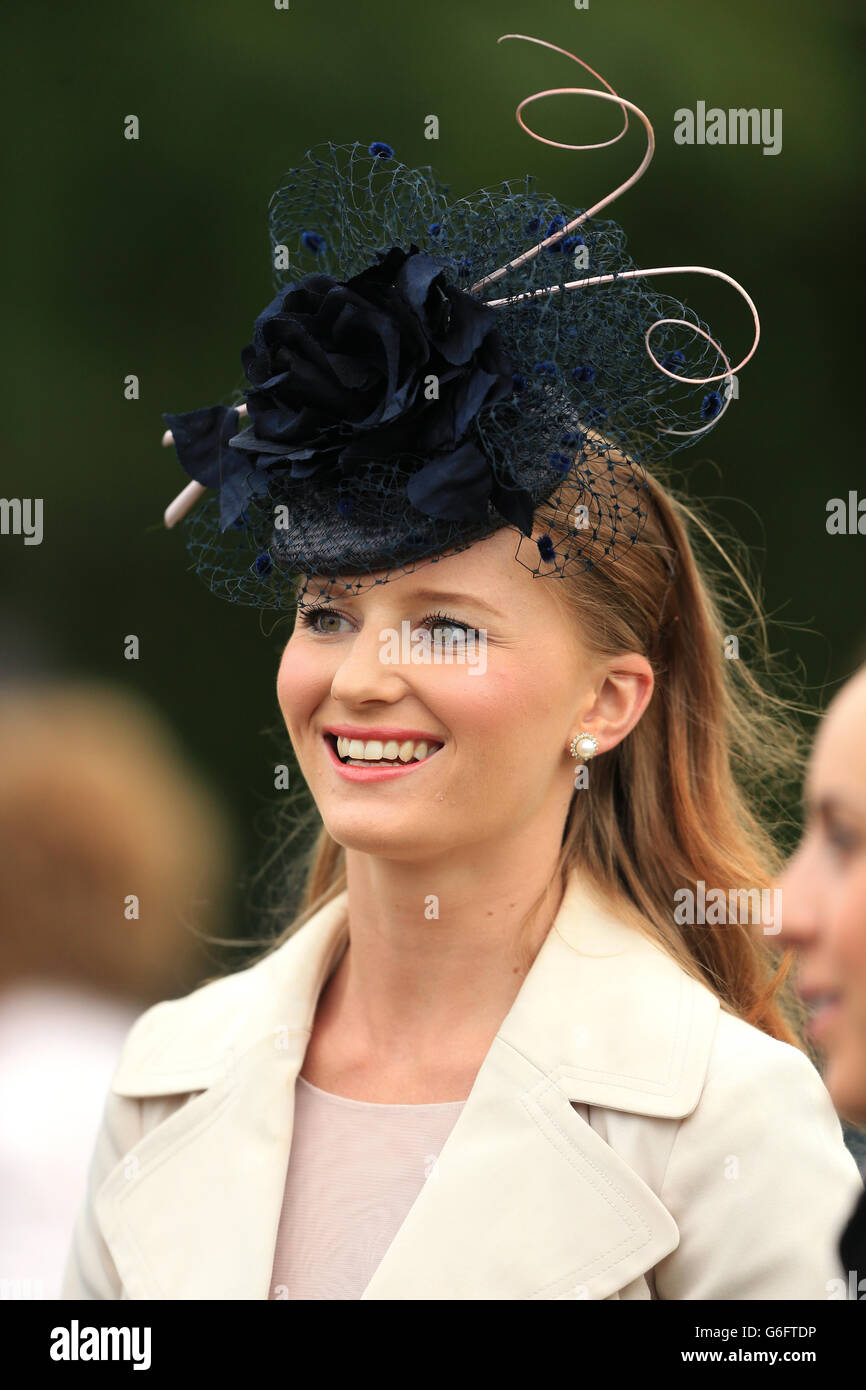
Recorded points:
(496, 724)
(824, 898)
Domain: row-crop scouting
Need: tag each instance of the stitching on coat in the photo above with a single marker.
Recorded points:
(685, 1017)
(573, 1144)
(607, 1262)
(153, 1167)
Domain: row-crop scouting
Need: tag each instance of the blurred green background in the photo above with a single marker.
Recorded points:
(151, 257)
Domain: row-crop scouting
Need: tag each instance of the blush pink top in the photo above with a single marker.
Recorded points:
(355, 1169)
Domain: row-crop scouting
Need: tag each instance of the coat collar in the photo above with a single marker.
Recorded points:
(603, 1017)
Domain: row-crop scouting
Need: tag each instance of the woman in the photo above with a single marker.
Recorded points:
(488, 1060)
(824, 890)
(93, 787)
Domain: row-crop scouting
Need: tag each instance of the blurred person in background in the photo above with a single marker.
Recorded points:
(113, 862)
(824, 916)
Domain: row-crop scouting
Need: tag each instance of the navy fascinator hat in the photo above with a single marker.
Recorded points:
(431, 369)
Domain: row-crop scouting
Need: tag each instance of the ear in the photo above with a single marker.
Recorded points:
(622, 694)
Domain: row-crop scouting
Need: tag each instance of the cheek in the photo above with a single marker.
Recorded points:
(302, 684)
(506, 706)
(510, 731)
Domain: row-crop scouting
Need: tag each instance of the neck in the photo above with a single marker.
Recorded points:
(437, 954)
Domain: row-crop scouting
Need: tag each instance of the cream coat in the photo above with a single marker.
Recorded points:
(625, 1138)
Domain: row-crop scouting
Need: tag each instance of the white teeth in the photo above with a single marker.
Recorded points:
(374, 751)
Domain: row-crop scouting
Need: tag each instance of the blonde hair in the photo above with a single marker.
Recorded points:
(691, 795)
(97, 803)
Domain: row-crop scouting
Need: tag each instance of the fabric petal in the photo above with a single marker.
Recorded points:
(470, 324)
(201, 442)
(454, 487)
(515, 504)
(236, 491)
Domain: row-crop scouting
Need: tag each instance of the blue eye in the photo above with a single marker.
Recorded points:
(443, 620)
(310, 618)
(325, 621)
(842, 841)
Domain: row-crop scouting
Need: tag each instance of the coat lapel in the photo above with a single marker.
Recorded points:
(526, 1201)
(192, 1210)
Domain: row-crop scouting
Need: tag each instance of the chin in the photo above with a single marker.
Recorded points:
(398, 836)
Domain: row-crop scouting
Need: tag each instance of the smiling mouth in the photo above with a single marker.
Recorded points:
(824, 1009)
(401, 754)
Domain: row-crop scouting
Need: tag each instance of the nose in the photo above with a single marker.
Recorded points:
(362, 675)
(801, 900)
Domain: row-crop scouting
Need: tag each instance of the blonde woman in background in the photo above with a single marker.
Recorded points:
(113, 861)
(824, 916)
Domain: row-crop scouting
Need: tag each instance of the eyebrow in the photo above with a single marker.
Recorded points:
(446, 596)
(429, 596)
(827, 806)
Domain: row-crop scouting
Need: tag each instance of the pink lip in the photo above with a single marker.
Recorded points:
(373, 774)
(822, 1019)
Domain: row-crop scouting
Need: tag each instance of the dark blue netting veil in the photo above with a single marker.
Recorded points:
(394, 416)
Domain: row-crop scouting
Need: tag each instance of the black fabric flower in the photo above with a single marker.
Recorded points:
(395, 417)
(393, 364)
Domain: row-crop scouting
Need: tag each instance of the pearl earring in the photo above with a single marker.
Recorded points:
(583, 747)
